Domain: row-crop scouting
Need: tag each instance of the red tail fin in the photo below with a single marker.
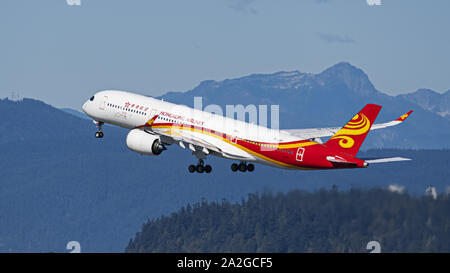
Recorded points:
(350, 137)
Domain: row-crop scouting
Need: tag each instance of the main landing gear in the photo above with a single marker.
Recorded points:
(200, 167)
(99, 133)
(243, 167)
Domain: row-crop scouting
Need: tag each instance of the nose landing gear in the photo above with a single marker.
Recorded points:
(99, 133)
(200, 167)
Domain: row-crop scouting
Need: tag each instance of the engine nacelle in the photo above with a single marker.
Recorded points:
(144, 143)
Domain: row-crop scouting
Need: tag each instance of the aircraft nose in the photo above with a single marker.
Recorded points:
(84, 107)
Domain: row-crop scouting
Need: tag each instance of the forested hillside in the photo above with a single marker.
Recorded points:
(58, 183)
(298, 221)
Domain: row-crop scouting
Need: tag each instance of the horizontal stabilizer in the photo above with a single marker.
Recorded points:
(384, 160)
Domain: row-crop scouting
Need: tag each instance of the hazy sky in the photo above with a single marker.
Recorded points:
(62, 54)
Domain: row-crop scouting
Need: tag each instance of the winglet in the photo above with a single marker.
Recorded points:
(402, 118)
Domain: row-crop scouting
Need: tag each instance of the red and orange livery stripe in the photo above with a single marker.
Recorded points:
(271, 152)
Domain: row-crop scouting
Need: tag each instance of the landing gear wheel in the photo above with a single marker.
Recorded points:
(250, 167)
(99, 133)
(242, 167)
(234, 167)
(200, 168)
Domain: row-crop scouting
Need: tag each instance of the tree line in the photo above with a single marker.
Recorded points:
(300, 221)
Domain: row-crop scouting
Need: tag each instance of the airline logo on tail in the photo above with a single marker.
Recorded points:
(350, 137)
(358, 125)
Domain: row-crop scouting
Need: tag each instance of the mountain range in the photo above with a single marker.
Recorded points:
(59, 184)
(331, 98)
(430, 100)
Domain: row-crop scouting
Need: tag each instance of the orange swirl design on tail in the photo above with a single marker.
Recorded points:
(359, 125)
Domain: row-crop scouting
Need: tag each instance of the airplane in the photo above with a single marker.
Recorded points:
(156, 124)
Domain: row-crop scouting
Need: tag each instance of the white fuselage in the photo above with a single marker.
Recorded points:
(131, 110)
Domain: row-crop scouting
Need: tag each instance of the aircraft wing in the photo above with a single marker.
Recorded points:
(185, 139)
(330, 131)
(197, 145)
(180, 138)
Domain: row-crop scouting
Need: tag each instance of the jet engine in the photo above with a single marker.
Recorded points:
(144, 143)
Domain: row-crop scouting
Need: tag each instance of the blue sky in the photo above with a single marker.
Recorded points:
(62, 54)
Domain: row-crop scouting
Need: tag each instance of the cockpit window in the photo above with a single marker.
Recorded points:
(92, 98)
